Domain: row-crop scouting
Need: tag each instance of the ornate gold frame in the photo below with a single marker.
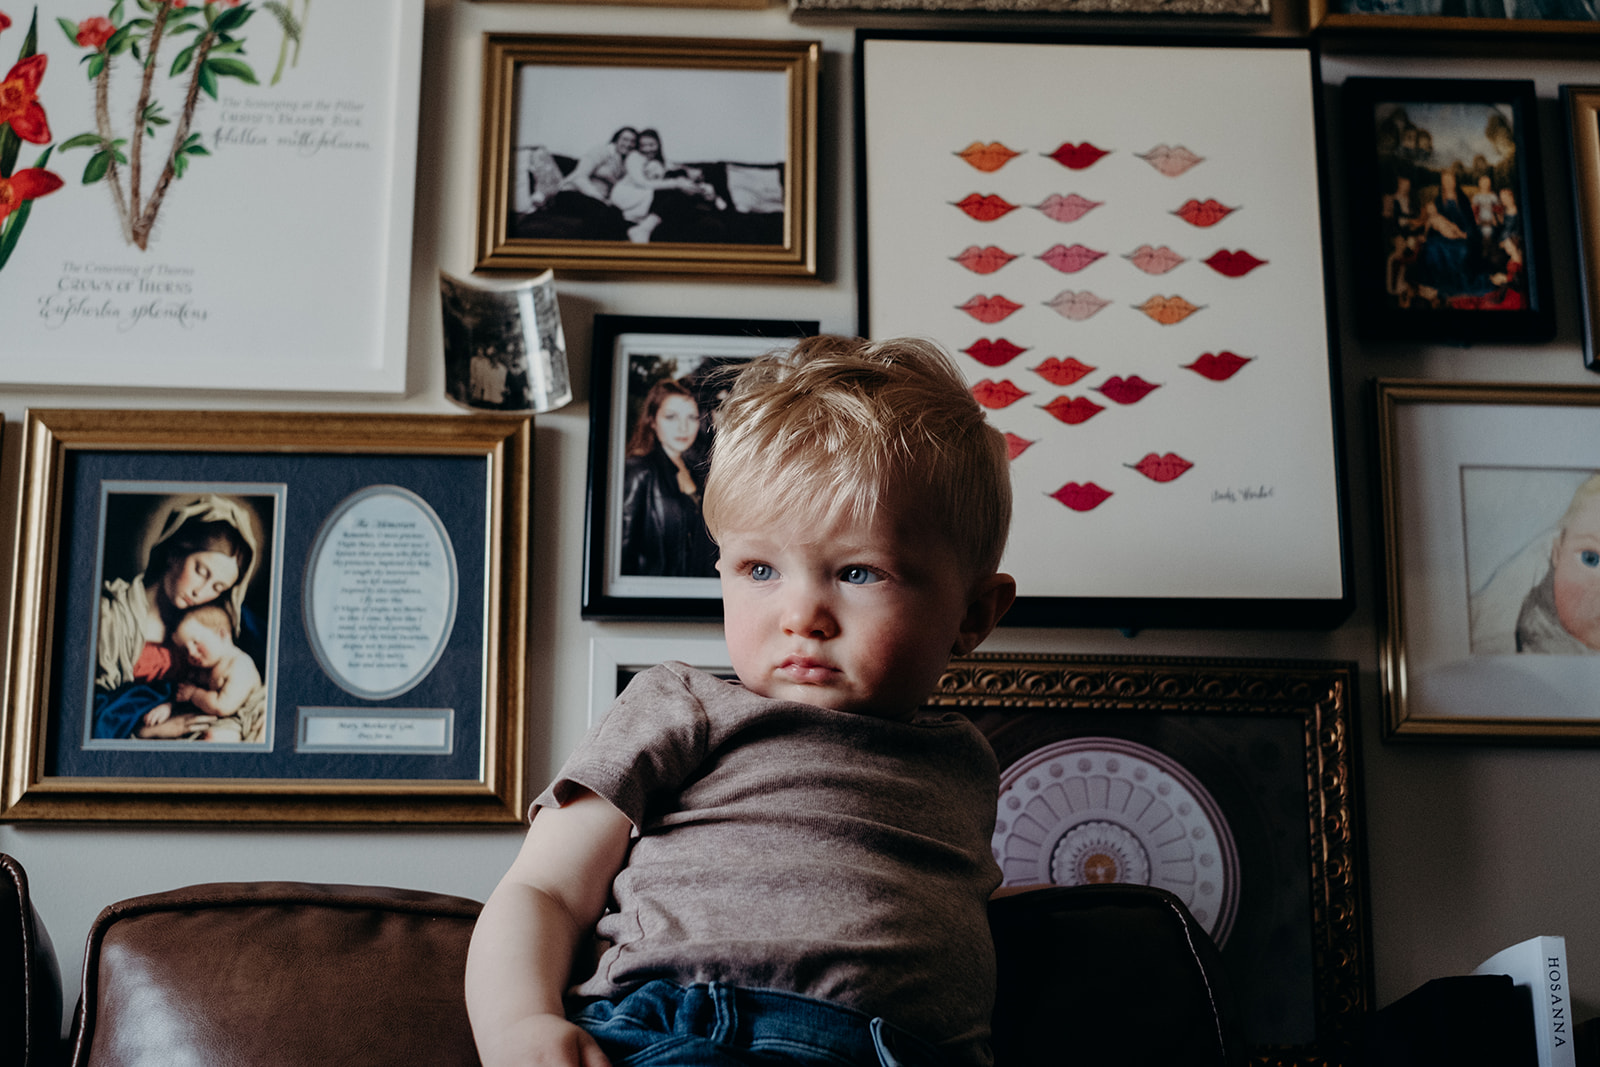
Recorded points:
(504, 53)
(29, 792)
(1316, 696)
(1326, 22)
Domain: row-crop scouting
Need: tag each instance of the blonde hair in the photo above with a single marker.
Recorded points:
(1588, 490)
(829, 427)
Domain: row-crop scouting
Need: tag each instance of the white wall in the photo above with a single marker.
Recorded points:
(1469, 848)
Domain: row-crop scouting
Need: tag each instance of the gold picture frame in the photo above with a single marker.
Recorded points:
(1261, 752)
(1478, 483)
(736, 134)
(373, 568)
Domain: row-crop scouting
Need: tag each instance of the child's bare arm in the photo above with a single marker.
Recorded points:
(229, 697)
(523, 946)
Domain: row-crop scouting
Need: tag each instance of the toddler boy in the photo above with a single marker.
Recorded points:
(793, 869)
(220, 676)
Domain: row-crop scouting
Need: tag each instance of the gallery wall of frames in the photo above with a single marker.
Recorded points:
(1290, 314)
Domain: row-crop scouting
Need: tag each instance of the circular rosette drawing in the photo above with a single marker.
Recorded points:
(1104, 809)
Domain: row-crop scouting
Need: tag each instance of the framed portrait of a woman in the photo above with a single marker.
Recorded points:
(657, 382)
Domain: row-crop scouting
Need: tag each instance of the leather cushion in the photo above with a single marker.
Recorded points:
(30, 978)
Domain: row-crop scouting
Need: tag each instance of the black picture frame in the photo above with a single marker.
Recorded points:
(629, 353)
(1462, 276)
(1580, 106)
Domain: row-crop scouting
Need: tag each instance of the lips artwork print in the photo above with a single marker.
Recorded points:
(1134, 286)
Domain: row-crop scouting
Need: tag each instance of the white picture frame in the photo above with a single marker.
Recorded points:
(611, 657)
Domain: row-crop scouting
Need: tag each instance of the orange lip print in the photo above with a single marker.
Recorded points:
(1171, 161)
(1062, 372)
(1076, 306)
(1207, 213)
(1154, 260)
(1233, 264)
(987, 157)
(1219, 367)
(1084, 497)
(1073, 410)
(985, 208)
(1070, 260)
(989, 309)
(996, 395)
(996, 353)
(1068, 208)
(1167, 310)
(1078, 156)
(1161, 468)
(1129, 390)
(1016, 446)
(984, 260)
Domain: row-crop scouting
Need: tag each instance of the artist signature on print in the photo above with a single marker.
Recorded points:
(1245, 494)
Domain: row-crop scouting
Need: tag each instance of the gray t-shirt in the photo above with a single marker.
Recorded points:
(786, 846)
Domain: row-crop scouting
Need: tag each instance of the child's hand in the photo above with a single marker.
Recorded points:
(185, 692)
(158, 715)
(545, 1041)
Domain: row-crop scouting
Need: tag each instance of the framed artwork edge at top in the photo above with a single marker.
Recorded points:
(1324, 22)
(519, 201)
(47, 771)
(1581, 113)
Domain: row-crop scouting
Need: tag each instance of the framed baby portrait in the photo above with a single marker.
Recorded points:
(1135, 288)
(1491, 523)
(1447, 206)
(655, 383)
(256, 616)
(654, 154)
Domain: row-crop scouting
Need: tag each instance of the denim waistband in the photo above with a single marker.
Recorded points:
(768, 1020)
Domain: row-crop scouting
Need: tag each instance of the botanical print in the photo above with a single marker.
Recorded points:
(22, 118)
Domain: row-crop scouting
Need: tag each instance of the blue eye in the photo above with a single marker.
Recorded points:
(858, 576)
(761, 572)
(1589, 558)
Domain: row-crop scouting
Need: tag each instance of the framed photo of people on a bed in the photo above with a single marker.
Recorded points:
(648, 154)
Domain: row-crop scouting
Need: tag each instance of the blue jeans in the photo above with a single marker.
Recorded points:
(662, 1024)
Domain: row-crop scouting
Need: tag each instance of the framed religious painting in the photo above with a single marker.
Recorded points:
(1491, 534)
(1447, 210)
(655, 384)
(1432, 24)
(649, 154)
(1229, 783)
(1136, 289)
(1581, 103)
(251, 617)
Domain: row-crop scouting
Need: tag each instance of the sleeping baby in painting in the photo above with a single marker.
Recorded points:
(1558, 576)
(220, 681)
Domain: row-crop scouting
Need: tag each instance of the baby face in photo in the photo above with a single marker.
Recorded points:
(1575, 562)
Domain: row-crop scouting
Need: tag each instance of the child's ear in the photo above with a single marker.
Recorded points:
(990, 601)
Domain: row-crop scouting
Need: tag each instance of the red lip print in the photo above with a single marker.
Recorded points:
(1208, 213)
(1167, 310)
(1171, 161)
(993, 353)
(1073, 410)
(1016, 446)
(1078, 156)
(1076, 306)
(987, 157)
(1062, 372)
(1129, 390)
(1069, 208)
(1085, 497)
(985, 208)
(1070, 260)
(989, 309)
(995, 395)
(1233, 264)
(1154, 260)
(1219, 367)
(1161, 468)
(984, 260)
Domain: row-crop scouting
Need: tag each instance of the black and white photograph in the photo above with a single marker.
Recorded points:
(696, 155)
(504, 349)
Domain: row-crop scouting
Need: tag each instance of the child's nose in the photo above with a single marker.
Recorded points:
(808, 613)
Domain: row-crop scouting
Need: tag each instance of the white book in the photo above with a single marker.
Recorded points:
(1540, 965)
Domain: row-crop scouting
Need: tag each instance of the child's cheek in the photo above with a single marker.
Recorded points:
(1577, 595)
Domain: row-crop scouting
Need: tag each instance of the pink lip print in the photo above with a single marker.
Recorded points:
(1154, 260)
(1233, 264)
(987, 157)
(989, 309)
(1129, 390)
(985, 208)
(1062, 372)
(1084, 497)
(1161, 468)
(1070, 260)
(1207, 213)
(1078, 156)
(1069, 208)
(1219, 367)
(1016, 446)
(1171, 161)
(984, 260)
(996, 353)
(995, 395)
(1073, 410)
(1076, 306)
(1167, 310)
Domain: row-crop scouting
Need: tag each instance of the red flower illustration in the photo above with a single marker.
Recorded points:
(95, 31)
(19, 100)
(5, 20)
(26, 185)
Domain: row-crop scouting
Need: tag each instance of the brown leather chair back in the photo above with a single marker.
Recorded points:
(30, 978)
(277, 974)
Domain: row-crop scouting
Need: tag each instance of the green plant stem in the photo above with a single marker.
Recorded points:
(135, 155)
(102, 120)
(147, 221)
